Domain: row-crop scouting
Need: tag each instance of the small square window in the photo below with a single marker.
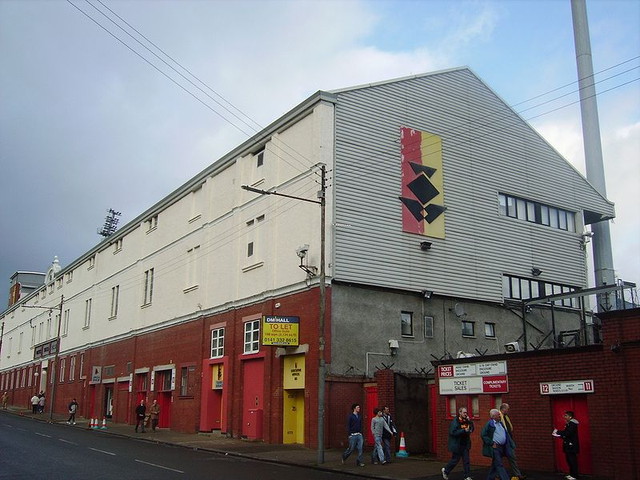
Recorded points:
(406, 324)
(468, 329)
(490, 330)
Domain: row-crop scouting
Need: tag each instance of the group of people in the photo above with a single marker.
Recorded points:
(142, 417)
(498, 444)
(382, 428)
(37, 403)
(497, 441)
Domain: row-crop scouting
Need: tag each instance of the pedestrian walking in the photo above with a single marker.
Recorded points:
(570, 443)
(513, 461)
(378, 425)
(154, 411)
(41, 400)
(34, 403)
(386, 436)
(354, 430)
(141, 411)
(5, 399)
(73, 408)
(459, 444)
(495, 445)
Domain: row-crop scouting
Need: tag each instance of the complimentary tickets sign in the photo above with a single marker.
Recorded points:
(280, 331)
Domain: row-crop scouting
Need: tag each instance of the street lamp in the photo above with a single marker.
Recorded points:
(323, 293)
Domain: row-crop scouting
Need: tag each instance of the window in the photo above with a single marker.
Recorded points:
(65, 322)
(187, 380)
(428, 327)
(148, 287)
(63, 364)
(250, 249)
(193, 255)
(519, 288)
(115, 294)
(87, 313)
(468, 329)
(406, 324)
(70, 277)
(59, 283)
(453, 411)
(92, 262)
(490, 330)
(252, 336)
(475, 407)
(217, 343)
(72, 369)
(184, 380)
(152, 223)
(259, 158)
(117, 246)
(535, 212)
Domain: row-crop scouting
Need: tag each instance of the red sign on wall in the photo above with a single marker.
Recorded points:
(497, 384)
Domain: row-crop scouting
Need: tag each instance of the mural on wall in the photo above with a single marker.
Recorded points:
(422, 184)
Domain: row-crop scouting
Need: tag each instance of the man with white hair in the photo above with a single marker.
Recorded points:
(496, 445)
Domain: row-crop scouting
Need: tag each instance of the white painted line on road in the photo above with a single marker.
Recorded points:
(159, 466)
(101, 451)
(43, 435)
(67, 441)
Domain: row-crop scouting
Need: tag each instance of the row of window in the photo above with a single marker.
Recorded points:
(251, 339)
(520, 288)
(471, 403)
(536, 212)
(468, 327)
(28, 376)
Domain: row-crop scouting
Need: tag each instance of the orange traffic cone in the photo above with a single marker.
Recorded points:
(104, 423)
(403, 449)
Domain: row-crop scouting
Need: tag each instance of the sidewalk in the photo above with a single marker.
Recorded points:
(410, 468)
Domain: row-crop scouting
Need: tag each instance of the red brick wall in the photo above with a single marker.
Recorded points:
(616, 376)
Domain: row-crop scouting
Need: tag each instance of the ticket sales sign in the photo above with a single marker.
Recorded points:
(280, 331)
(473, 378)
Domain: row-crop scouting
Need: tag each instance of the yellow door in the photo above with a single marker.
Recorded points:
(293, 421)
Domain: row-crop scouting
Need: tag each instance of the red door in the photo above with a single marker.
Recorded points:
(252, 398)
(433, 415)
(577, 404)
(370, 402)
(164, 400)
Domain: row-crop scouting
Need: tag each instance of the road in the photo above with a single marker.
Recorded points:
(33, 450)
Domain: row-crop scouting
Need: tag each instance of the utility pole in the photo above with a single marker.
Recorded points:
(323, 293)
(54, 368)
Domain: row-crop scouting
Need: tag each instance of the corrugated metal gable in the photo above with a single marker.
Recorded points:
(486, 149)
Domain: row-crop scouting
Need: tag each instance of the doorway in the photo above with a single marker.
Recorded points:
(578, 405)
(293, 421)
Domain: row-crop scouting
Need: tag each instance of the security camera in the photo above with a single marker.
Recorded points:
(302, 251)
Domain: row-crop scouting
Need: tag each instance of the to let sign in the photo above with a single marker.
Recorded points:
(569, 387)
(280, 331)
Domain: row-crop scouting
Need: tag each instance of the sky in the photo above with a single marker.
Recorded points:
(89, 122)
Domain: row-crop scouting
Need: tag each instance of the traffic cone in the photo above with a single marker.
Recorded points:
(403, 449)
(94, 423)
(104, 423)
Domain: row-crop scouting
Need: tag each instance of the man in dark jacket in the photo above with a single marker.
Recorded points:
(570, 443)
(141, 411)
(496, 445)
(354, 429)
(387, 436)
(460, 431)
